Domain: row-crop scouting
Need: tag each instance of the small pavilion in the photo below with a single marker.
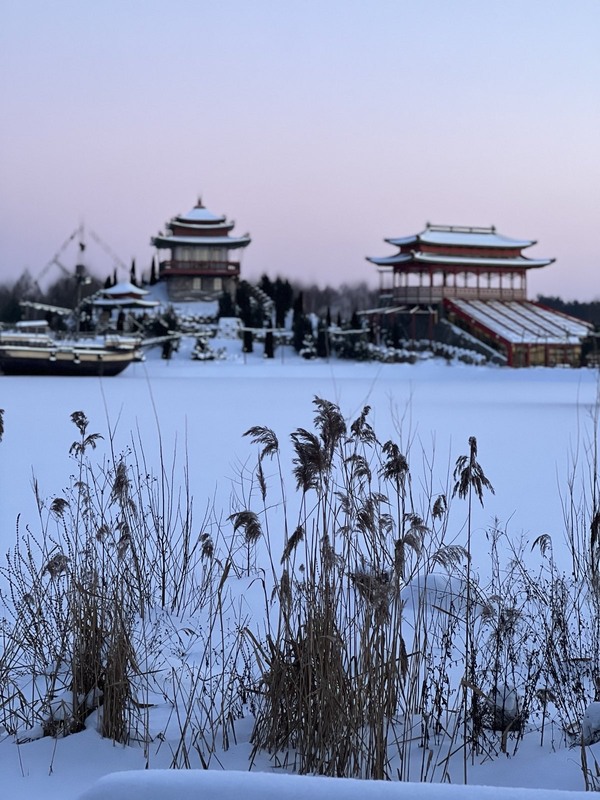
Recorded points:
(123, 295)
(118, 305)
(200, 264)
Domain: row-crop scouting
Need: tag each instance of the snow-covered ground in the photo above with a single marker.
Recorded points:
(531, 427)
(163, 785)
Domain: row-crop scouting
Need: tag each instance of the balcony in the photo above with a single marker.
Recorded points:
(414, 295)
(211, 268)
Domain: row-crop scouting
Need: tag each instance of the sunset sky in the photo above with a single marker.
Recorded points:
(320, 126)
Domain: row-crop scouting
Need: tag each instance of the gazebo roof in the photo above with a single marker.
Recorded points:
(124, 289)
(123, 295)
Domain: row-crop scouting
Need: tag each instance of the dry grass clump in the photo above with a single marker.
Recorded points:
(337, 678)
(87, 604)
(387, 657)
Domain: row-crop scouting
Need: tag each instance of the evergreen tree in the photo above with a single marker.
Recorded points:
(396, 334)
(322, 341)
(249, 309)
(25, 288)
(242, 300)
(269, 344)
(153, 272)
(132, 275)
(301, 328)
(298, 305)
(266, 286)
(226, 305)
(248, 342)
(283, 296)
(355, 323)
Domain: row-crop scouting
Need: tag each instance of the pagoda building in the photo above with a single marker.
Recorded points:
(451, 278)
(448, 261)
(200, 264)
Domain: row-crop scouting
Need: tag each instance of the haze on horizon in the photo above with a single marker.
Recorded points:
(322, 127)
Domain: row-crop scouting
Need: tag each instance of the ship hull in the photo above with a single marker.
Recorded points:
(43, 356)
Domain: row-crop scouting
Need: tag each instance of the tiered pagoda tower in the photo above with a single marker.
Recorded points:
(199, 263)
(448, 261)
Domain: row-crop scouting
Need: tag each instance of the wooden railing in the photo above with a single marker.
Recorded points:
(199, 267)
(435, 294)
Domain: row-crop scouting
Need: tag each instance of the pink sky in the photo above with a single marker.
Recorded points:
(321, 127)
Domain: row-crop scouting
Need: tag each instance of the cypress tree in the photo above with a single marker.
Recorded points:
(248, 342)
(226, 306)
(266, 286)
(153, 273)
(269, 344)
(322, 341)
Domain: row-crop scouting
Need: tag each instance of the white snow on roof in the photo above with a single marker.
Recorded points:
(462, 237)
(201, 214)
(403, 240)
(473, 261)
(388, 261)
(521, 261)
(524, 322)
(472, 239)
(124, 302)
(217, 225)
(209, 241)
(124, 288)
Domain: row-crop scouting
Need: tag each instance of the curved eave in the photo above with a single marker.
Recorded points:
(460, 261)
(225, 242)
(390, 261)
(462, 238)
(199, 225)
(403, 240)
(200, 215)
(125, 289)
(124, 302)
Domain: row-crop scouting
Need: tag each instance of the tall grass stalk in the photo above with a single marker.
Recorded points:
(381, 653)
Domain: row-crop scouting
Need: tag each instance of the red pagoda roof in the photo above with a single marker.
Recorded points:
(461, 236)
(453, 246)
(199, 227)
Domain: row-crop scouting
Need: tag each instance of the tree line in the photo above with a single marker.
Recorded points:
(589, 312)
